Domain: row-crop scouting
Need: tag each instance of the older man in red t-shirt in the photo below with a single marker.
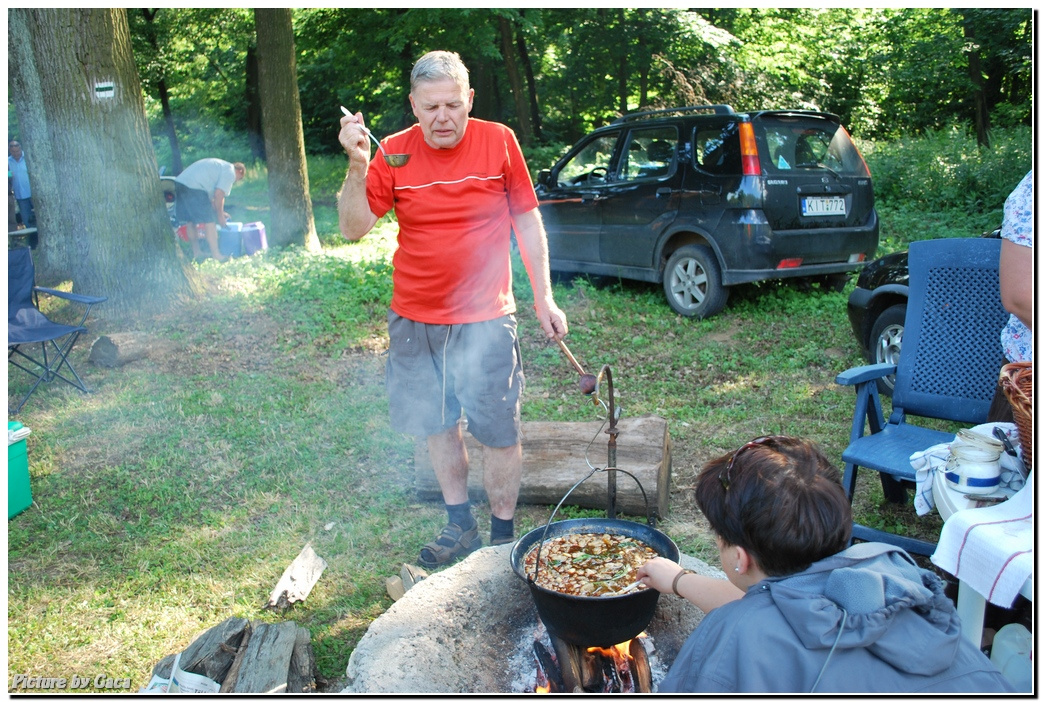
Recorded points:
(453, 334)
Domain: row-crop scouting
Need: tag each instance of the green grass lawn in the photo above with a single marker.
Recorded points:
(175, 495)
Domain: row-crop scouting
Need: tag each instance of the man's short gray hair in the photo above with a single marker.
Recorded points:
(437, 65)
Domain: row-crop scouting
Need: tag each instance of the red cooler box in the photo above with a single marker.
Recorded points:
(253, 238)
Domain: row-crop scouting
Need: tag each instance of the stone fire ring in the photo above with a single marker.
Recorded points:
(469, 629)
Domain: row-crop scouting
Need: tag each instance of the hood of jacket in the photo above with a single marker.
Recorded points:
(871, 596)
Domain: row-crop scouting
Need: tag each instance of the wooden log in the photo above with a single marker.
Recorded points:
(265, 667)
(297, 580)
(119, 349)
(212, 653)
(301, 678)
(555, 459)
(228, 684)
(164, 667)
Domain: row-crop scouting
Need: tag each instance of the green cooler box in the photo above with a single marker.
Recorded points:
(19, 496)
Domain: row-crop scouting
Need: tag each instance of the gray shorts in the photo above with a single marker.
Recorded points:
(193, 205)
(435, 372)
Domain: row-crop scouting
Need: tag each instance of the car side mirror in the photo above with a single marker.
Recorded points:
(545, 178)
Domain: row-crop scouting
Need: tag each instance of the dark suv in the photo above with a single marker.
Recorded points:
(703, 198)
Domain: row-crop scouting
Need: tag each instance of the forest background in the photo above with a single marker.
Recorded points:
(553, 75)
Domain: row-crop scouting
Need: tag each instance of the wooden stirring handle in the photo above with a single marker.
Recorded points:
(576, 364)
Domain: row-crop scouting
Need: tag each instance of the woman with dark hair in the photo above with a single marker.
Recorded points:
(799, 611)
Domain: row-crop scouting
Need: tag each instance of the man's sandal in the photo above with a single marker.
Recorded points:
(450, 545)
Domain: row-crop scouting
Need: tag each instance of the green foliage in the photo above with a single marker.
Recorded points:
(886, 72)
(946, 170)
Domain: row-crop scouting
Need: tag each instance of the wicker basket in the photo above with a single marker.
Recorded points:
(1017, 382)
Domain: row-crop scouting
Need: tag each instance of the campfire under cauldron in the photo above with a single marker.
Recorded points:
(470, 629)
(564, 667)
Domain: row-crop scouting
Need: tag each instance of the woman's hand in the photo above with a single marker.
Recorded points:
(659, 574)
(702, 591)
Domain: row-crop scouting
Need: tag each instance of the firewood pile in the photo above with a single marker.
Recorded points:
(244, 657)
(256, 658)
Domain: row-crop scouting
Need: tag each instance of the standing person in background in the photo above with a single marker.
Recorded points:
(1017, 285)
(18, 177)
(453, 333)
(200, 191)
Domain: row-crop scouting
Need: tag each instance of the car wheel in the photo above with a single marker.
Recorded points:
(693, 284)
(887, 335)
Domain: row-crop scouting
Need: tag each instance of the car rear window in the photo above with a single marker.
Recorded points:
(802, 144)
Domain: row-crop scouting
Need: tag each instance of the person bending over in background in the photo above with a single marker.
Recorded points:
(799, 611)
(200, 190)
(453, 333)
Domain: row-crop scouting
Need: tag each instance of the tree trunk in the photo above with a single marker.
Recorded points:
(164, 95)
(97, 190)
(509, 55)
(254, 130)
(981, 118)
(529, 73)
(292, 219)
(623, 66)
(52, 255)
(171, 130)
(485, 102)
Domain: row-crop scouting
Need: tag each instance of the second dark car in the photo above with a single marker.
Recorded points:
(877, 306)
(703, 198)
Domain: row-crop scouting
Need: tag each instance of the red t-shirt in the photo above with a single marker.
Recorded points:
(455, 208)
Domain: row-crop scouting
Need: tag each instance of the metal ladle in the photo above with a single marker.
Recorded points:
(587, 381)
(393, 160)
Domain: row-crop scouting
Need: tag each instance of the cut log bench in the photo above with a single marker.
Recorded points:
(555, 459)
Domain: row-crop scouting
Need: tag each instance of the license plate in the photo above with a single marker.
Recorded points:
(823, 206)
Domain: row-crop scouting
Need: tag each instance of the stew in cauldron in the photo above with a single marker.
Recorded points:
(591, 565)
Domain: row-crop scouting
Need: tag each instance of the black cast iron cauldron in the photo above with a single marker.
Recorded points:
(593, 621)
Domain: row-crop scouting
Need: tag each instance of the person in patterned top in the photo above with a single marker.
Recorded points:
(1017, 285)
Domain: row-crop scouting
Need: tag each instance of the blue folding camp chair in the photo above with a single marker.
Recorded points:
(27, 327)
(948, 369)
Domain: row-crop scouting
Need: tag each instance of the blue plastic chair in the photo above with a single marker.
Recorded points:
(27, 327)
(948, 369)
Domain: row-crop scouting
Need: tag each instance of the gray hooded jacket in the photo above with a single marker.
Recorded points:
(866, 620)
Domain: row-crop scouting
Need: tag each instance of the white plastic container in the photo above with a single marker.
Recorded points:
(1012, 654)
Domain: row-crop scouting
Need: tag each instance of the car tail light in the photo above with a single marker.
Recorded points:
(749, 151)
(790, 263)
(866, 168)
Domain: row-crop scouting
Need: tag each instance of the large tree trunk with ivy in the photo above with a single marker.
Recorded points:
(103, 222)
(292, 219)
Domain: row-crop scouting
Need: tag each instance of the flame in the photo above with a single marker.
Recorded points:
(542, 690)
(619, 652)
